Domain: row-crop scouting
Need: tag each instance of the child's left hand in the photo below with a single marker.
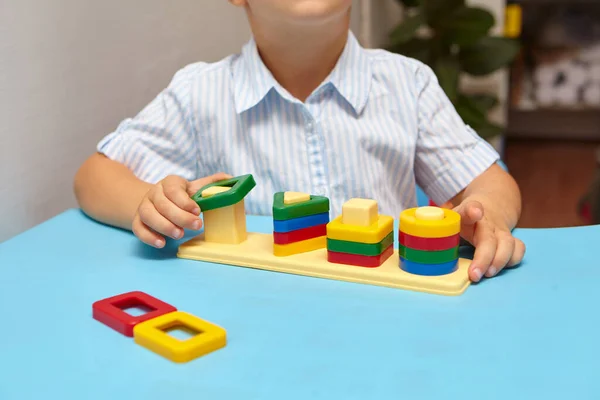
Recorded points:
(495, 246)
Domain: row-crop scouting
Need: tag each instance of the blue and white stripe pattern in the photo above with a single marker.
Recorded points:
(379, 125)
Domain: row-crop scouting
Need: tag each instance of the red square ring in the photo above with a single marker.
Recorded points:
(110, 311)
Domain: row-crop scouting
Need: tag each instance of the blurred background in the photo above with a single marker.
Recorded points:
(70, 71)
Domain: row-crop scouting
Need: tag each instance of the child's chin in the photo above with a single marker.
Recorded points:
(318, 10)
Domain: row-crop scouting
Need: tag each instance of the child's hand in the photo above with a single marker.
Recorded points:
(495, 247)
(167, 209)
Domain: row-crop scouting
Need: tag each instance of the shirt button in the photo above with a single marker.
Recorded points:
(321, 191)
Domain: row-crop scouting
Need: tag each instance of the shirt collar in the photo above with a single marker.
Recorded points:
(351, 77)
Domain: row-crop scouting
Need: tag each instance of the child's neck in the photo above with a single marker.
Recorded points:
(300, 61)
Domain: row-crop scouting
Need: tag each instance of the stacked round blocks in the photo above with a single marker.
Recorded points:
(360, 236)
(429, 239)
(299, 223)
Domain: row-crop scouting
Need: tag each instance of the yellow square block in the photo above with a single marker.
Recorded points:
(226, 224)
(304, 246)
(295, 197)
(361, 212)
(152, 335)
(211, 191)
(374, 233)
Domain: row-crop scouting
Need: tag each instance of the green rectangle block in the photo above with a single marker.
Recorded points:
(428, 257)
(362, 249)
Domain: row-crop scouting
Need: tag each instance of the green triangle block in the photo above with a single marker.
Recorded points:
(282, 211)
(240, 187)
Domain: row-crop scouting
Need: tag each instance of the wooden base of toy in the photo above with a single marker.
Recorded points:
(257, 252)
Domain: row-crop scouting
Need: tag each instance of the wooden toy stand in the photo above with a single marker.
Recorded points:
(257, 252)
(301, 245)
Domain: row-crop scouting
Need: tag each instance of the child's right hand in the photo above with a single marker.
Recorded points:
(167, 209)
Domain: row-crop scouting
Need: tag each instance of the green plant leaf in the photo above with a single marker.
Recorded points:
(475, 116)
(447, 71)
(417, 48)
(437, 11)
(406, 30)
(489, 130)
(409, 3)
(466, 25)
(488, 54)
(469, 112)
(485, 102)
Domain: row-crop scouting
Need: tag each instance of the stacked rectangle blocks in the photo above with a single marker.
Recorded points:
(429, 239)
(360, 236)
(299, 223)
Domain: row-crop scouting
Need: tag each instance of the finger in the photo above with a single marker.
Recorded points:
(178, 217)
(485, 243)
(196, 185)
(518, 254)
(146, 235)
(150, 216)
(504, 252)
(470, 212)
(177, 195)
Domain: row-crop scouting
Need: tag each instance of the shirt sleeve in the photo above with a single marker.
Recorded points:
(160, 140)
(449, 153)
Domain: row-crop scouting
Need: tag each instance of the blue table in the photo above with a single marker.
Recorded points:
(531, 333)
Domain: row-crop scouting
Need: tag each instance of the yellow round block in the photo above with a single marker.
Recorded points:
(427, 227)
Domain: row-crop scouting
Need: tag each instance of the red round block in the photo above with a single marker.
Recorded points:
(300, 234)
(110, 311)
(428, 244)
(360, 260)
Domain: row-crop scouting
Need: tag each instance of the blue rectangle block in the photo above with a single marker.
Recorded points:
(428, 269)
(294, 224)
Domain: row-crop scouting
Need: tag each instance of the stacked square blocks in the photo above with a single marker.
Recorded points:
(360, 236)
(429, 239)
(299, 223)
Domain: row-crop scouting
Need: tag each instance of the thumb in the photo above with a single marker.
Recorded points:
(470, 211)
(198, 184)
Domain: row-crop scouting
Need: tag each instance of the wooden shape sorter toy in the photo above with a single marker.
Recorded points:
(299, 223)
(435, 224)
(151, 330)
(360, 236)
(357, 246)
(222, 204)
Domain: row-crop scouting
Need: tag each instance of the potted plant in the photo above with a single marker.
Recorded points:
(453, 39)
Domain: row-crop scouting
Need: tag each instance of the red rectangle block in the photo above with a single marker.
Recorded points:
(111, 311)
(428, 244)
(360, 260)
(300, 234)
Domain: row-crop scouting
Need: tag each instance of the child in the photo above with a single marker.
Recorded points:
(302, 108)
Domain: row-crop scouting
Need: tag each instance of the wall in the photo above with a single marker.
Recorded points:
(71, 70)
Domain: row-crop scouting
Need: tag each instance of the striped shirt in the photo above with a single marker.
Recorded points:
(379, 125)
